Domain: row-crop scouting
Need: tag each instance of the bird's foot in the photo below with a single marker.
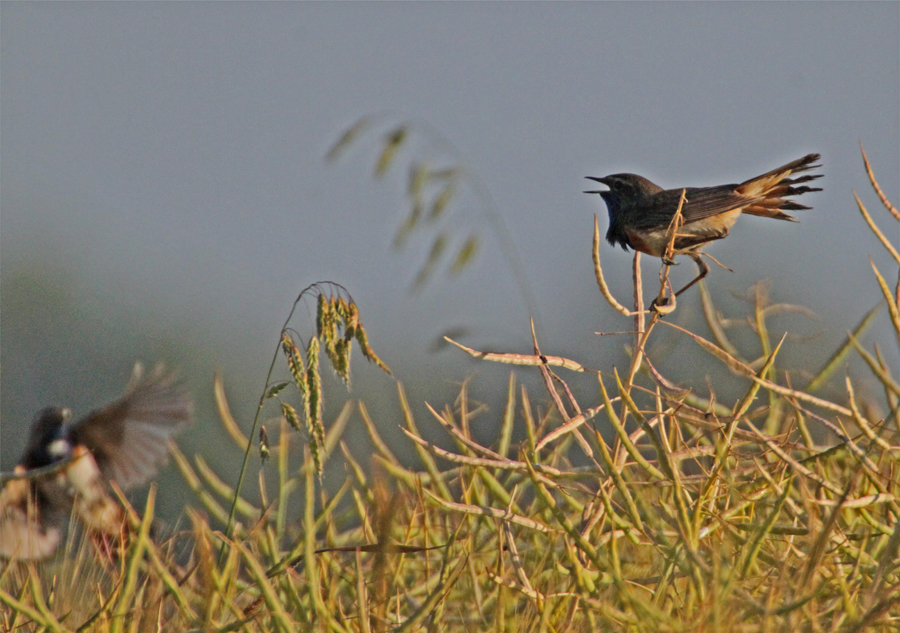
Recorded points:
(664, 306)
(669, 262)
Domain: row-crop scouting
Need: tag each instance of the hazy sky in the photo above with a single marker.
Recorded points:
(166, 160)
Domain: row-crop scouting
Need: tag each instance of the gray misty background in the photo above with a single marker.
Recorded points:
(165, 194)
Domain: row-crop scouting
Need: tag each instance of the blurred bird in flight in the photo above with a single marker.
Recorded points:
(125, 442)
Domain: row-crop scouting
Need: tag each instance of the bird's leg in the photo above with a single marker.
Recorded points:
(668, 304)
(702, 265)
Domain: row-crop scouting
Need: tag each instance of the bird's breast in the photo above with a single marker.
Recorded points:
(652, 242)
(93, 504)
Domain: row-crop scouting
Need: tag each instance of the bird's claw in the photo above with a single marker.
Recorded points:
(663, 307)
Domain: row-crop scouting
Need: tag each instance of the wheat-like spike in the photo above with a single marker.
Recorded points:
(314, 399)
(350, 316)
(341, 360)
(290, 414)
(392, 144)
(367, 351)
(295, 363)
(263, 443)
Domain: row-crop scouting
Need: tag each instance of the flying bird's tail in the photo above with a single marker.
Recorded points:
(772, 189)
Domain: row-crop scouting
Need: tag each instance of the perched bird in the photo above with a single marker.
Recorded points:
(640, 211)
(125, 442)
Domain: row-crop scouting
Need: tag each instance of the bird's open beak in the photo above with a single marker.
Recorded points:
(602, 181)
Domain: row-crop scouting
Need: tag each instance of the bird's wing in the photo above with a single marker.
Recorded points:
(25, 532)
(765, 195)
(701, 203)
(129, 438)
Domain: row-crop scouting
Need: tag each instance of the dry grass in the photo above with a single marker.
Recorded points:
(654, 509)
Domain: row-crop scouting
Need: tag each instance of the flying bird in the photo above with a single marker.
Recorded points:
(640, 212)
(67, 466)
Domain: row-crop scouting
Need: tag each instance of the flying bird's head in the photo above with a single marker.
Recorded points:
(48, 441)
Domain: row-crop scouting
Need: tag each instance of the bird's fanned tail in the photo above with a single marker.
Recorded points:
(772, 188)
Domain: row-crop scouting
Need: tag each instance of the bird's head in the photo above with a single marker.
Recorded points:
(624, 190)
(47, 442)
